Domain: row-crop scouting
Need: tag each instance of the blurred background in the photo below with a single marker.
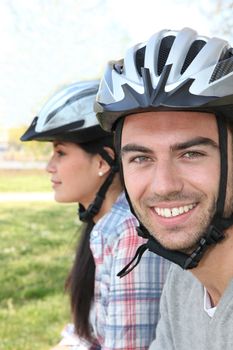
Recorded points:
(46, 44)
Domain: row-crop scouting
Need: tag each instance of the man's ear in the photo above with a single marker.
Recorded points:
(103, 166)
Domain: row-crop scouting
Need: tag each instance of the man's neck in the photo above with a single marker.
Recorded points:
(215, 270)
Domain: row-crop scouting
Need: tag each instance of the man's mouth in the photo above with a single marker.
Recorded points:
(176, 211)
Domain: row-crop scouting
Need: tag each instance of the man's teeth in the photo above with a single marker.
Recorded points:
(171, 212)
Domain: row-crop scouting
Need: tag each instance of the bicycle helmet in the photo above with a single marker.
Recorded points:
(174, 70)
(178, 71)
(69, 116)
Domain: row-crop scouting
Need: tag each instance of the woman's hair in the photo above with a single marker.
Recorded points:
(81, 279)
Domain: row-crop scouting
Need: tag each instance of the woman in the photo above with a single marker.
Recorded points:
(108, 312)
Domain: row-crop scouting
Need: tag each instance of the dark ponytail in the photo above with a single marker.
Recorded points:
(80, 284)
(81, 280)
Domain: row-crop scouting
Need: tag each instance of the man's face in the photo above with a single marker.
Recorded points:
(171, 166)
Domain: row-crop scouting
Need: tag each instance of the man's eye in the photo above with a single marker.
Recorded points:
(140, 159)
(192, 155)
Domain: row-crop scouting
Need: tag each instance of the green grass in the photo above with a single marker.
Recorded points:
(24, 181)
(37, 244)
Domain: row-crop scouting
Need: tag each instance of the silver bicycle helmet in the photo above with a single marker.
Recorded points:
(174, 70)
(68, 116)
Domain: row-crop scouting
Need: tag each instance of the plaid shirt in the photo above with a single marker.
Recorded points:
(125, 310)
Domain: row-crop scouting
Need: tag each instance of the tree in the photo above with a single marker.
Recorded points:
(32, 150)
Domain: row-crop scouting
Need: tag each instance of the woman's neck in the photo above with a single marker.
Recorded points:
(113, 192)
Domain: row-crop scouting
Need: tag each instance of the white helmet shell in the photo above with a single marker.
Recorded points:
(175, 70)
(68, 115)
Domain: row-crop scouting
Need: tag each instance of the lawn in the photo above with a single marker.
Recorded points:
(24, 181)
(37, 245)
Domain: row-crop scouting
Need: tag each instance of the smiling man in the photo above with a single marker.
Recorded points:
(170, 103)
(167, 164)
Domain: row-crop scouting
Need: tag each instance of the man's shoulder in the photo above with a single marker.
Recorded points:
(179, 278)
(184, 288)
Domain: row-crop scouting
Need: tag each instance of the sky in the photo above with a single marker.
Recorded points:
(46, 44)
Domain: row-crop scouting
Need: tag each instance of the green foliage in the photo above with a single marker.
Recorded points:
(24, 181)
(14, 135)
(32, 150)
(37, 245)
(35, 150)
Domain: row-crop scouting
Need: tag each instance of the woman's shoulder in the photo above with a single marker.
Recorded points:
(117, 216)
(113, 224)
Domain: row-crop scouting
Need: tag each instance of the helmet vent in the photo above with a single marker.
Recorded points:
(140, 56)
(222, 68)
(118, 68)
(60, 108)
(164, 50)
(194, 49)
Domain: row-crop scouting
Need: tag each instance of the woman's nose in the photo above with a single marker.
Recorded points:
(50, 167)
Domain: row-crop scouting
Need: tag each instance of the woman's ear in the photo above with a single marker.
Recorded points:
(110, 152)
(103, 166)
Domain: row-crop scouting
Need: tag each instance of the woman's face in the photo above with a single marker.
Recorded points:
(74, 173)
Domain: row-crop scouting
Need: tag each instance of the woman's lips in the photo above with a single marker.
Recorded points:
(55, 183)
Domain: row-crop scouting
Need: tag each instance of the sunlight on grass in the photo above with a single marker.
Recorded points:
(37, 246)
(34, 324)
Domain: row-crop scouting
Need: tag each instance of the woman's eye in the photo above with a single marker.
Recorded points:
(60, 153)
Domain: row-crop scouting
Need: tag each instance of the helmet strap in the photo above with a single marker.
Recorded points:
(87, 215)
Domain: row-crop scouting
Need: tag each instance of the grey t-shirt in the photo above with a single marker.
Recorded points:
(184, 324)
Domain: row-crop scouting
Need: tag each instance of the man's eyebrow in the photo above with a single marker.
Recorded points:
(197, 141)
(133, 147)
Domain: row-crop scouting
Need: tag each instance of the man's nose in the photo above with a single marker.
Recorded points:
(167, 178)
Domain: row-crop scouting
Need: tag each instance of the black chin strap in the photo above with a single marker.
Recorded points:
(87, 215)
(181, 259)
(215, 231)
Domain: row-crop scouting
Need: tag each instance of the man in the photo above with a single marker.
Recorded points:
(170, 102)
